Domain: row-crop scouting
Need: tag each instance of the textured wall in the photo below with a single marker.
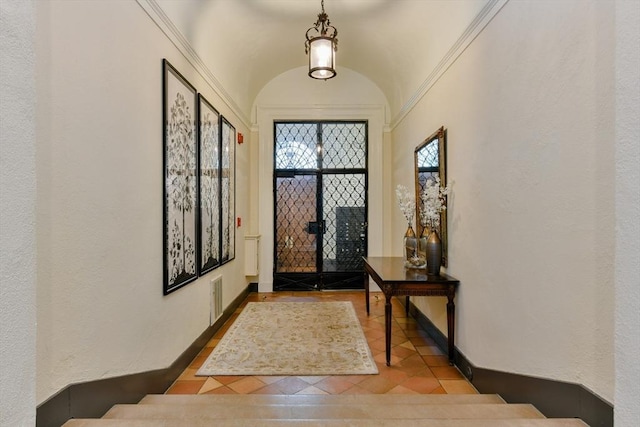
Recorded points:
(101, 312)
(529, 109)
(17, 214)
(627, 265)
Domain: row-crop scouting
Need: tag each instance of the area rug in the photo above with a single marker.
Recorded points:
(292, 338)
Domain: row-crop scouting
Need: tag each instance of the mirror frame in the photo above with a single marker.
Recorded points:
(441, 136)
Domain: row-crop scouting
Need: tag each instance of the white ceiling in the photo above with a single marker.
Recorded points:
(395, 43)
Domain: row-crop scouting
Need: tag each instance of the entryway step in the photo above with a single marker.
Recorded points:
(315, 399)
(537, 422)
(352, 411)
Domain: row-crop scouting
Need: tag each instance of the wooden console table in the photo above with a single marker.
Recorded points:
(395, 280)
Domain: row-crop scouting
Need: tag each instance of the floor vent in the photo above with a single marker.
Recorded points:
(216, 299)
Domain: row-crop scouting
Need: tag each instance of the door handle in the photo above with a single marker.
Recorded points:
(315, 227)
(312, 227)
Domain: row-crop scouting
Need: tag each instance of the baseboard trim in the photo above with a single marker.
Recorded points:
(94, 398)
(555, 399)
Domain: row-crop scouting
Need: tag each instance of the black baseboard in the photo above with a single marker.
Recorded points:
(94, 398)
(555, 399)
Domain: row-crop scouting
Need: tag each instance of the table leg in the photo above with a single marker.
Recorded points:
(366, 290)
(387, 327)
(451, 308)
(406, 305)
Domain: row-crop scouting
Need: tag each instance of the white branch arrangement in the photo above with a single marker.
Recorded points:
(406, 202)
(433, 203)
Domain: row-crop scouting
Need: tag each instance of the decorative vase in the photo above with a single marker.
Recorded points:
(434, 254)
(422, 245)
(411, 256)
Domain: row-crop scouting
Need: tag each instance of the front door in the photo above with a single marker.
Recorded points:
(320, 200)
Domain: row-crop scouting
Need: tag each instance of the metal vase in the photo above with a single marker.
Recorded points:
(422, 246)
(434, 254)
(410, 247)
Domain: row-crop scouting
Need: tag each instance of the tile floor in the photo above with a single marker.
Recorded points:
(417, 364)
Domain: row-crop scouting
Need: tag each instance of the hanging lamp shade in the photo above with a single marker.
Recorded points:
(321, 46)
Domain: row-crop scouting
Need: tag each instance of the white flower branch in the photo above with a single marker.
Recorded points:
(433, 203)
(406, 202)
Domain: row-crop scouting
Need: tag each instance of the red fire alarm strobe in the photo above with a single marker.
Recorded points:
(240, 138)
(239, 220)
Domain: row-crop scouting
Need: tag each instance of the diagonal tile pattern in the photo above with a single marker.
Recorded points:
(417, 364)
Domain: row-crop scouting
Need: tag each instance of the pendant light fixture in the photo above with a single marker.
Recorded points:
(321, 46)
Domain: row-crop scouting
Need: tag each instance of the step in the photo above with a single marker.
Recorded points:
(533, 422)
(315, 399)
(352, 411)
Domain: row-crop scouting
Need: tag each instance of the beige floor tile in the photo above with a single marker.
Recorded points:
(269, 379)
(228, 379)
(334, 385)
(246, 385)
(458, 387)
(209, 384)
(399, 389)
(312, 390)
(290, 385)
(312, 379)
(221, 390)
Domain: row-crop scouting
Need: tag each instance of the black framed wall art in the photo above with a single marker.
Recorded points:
(227, 189)
(180, 164)
(209, 187)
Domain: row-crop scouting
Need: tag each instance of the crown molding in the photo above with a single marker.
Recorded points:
(157, 15)
(482, 19)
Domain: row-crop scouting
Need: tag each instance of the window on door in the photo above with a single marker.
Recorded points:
(320, 200)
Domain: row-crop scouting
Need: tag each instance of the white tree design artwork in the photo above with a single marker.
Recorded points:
(181, 190)
(180, 180)
(209, 188)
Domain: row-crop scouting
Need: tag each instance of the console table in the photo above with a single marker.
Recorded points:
(396, 280)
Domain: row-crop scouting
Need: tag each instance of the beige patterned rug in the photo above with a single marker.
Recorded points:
(292, 338)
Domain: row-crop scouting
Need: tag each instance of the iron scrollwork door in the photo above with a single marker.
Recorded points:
(320, 200)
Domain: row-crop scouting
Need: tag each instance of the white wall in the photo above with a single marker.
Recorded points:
(17, 214)
(294, 96)
(101, 311)
(627, 189)
(529, 111)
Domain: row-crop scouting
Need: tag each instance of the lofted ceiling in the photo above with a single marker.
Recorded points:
(397, 44)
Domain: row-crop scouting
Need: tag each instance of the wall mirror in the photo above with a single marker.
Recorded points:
(431, 161)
